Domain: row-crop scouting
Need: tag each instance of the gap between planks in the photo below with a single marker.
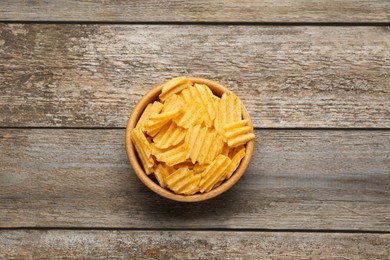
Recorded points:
(263, 230)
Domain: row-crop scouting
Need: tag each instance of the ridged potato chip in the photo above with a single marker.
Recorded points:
(183, 181)
(191, 139)
(235, 162)
(174, 86)
(144, 149)
(161, 172)
(214, 173)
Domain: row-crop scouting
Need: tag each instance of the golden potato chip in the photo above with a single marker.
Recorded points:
(215, 149)
(199, 168)
(195, 95)
(208, 142)
(240, 140)
(157, 138)
(143, 148)
(172, 103)
(237, 132)
(192, 186)
(183, 181)
(229, 107)
(161, 172)
(235, 162)
(186, 95)
(214, 173)
(225, 150)
(156, 122)
(222, 112)
(179, 178)
(207, 98)
(237, 109)
(186, 163)
(233, 151)
(190, 139)
(173, 156)
(174, 86)
(195, 150)
(235, 125)
(144, 117)
(217, 184)
(151, 109)
(169, 136)
(193, 115)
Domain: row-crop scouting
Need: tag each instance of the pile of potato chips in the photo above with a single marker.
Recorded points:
(191, 140)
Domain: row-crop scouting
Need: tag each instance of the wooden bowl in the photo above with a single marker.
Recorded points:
(152, 96)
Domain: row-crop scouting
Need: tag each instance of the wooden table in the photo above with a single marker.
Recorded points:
(315, 76)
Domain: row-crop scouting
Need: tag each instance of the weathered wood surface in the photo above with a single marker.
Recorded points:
(92, 75)
(197, 11)
(296, 180)
(76, 244)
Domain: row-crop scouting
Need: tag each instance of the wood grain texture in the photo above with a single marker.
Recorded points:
(296, 180)
(197, 11)
(92, 75)
(65, 244)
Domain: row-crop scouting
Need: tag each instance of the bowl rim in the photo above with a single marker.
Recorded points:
(151, 96)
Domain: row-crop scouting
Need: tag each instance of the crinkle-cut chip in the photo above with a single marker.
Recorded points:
(225, 149)
(161, 171)
(193, 115)
(174, 86)
(217, 184)
(208, 142)
(218, 117)
(222, 110)
(171, 136)
(172, 102)
(199, 168)
(154, 109)
(237, 132)
(173, 156)
(235, 125)
(161, 133)
(215, 149)
(235, 162)
(178, 135)
(214, 173)
(207, 98)
(186, 163)
(192, 186)
(156, 122)
(235, 150)
(179, 178)
(144, 117)
(237, 109)
(186, 95)
(183, 181)
(190, 139)
(143, 148)
(230, 107)
(205, 115)
(195, 151)
(240, 140)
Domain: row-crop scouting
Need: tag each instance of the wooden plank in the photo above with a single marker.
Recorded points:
(296, 180)
(92, 75)
(76, 244)
(197, 11)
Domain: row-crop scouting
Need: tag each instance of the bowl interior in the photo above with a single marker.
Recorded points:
(152, 96)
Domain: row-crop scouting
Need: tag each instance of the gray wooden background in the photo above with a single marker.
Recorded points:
(314, 75)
